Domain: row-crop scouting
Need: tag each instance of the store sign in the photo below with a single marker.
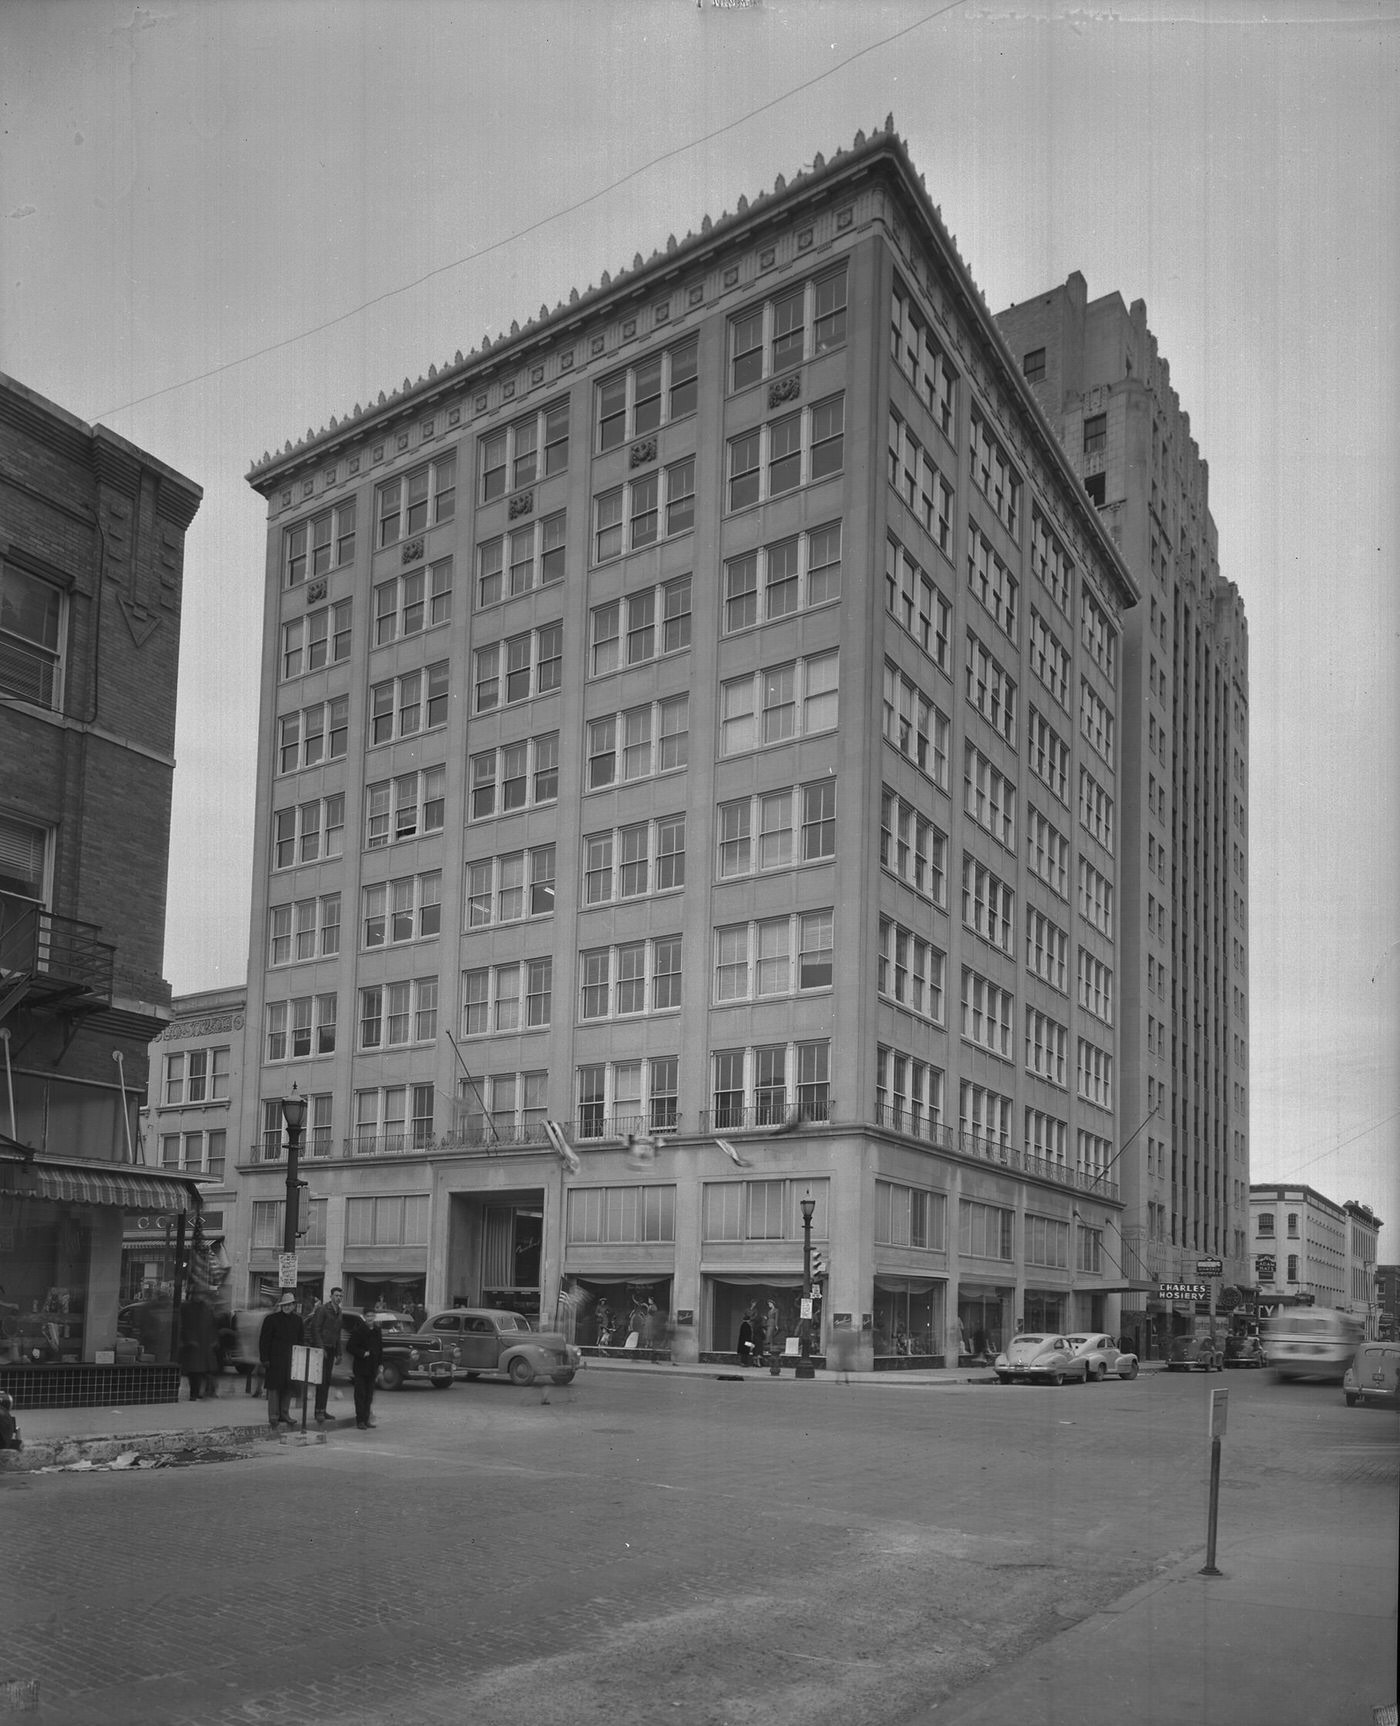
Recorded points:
(1209, 1268)
(1182, 1291)
(287, 1271)
(1265, 1265)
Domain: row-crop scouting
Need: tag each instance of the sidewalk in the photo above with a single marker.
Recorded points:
(58, 1436)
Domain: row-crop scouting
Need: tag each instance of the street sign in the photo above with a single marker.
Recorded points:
(804, 1308)
(1182, 1291)
(1209, 1268)
(286, 1270)
(1219, 1408)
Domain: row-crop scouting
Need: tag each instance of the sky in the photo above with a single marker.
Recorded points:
(224, 221)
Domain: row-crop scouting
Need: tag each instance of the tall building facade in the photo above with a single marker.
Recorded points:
(91, 565)
(187, 1125)
(692, 719)
(1183, 899)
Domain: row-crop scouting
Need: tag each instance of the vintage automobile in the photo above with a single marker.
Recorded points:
(1196, 1353)
(495, 1344)
(1045, 1358)
(1103, 1356)
(1245, 1351)
(1371, 1377)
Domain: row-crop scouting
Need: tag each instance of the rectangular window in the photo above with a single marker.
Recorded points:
(630, 403)
(1049, 660)
(912, 598)
(796, 699)
(988, 1014)
(1095, 432)
(1053, 567)
(321, 637)
(914, 726)
(417, 500)
(514, 452)
(919, 356)
(990, 690)
(324, 542)
(989, 797)
(787, 452)
(993, 472)
(985, 1231)
(799, 323)
(992, 582)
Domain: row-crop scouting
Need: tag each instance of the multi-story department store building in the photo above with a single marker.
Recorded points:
(1183, 863)
(694, 712)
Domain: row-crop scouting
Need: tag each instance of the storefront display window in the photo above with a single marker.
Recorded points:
(604, 1312)
(771, 1306)
(1045, 1311)
(47, 1250)
(908, 1315)
(984, 1321)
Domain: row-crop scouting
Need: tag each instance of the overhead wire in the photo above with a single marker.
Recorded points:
(542, 222)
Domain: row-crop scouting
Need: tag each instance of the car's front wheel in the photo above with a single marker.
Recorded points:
(442, 1384)
(1133, 1370)
(390, 1377)
(1099, 1373)
(521, 1372)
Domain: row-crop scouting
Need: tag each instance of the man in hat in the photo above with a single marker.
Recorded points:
(323, 1332)
(281, 1332)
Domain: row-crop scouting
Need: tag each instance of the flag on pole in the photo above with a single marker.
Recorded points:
(555, 1134)
(641, 1152)
(733, 1155)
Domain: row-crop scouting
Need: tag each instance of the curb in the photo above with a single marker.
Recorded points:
(186, 1444)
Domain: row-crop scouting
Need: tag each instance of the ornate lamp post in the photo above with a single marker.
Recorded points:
(805, 1369)
(294, 1114)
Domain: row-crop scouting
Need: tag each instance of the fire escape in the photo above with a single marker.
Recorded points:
(52, 967)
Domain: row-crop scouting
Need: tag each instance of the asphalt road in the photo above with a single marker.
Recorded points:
(640, 1549)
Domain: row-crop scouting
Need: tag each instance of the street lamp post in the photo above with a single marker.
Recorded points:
(805, 1369)
(294, 1114)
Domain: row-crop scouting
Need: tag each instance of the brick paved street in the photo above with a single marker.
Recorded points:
(639, 1549)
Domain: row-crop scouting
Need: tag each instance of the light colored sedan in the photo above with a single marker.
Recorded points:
(1103, 1356)
(1042, 1358)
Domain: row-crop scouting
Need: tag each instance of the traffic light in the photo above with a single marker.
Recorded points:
(818, 1267)
(303, 1208)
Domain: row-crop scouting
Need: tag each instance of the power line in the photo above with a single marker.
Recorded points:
(543, 222)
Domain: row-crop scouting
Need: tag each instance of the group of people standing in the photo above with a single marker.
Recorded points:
(328, 1328)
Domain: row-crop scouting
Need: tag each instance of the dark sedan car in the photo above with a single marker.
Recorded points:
(1245, 1351)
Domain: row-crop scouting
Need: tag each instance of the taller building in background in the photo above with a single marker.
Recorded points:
(92, 534)
(1183, 903)
(693, 718)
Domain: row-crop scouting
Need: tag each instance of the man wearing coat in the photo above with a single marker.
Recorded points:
(282, 1330)
(323, 1332)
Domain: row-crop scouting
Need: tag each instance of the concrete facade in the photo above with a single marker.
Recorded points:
(1316, 1246)
(652, 741)
(1183, 893)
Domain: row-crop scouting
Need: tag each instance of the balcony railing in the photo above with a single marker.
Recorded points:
(763, 1117)
(55, 949)
(917, 1125)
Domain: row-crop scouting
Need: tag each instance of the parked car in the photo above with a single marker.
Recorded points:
(1103, 1356)
(1190, 1353)
(1048, 1358)
(1245, 1351)
(1372, 1375)
(497, 1344)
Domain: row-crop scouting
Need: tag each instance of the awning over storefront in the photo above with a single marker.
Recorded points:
(81, 1183)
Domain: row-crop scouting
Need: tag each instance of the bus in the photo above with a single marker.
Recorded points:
(1312, 1342)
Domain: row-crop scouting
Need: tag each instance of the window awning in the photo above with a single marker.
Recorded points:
(104, 1184)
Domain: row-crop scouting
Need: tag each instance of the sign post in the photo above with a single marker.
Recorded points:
(308, 1368)
(1219, 1407)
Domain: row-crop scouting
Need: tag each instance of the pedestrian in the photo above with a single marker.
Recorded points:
(282, 1330)
(843, 1350)
(365, 1346)
(420, 1315)
(744, 1349)
(9, 1430)
(323, 1332)
(199, 1348)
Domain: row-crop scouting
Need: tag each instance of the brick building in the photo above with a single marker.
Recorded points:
(1183, 863)
(91, 558)
(673, 726)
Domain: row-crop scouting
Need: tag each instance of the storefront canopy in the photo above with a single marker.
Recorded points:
(83, 1183)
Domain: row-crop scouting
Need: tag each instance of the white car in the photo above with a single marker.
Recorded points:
(1103, 1356)
(1044, 1359)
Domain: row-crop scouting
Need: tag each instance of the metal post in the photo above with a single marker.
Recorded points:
(177, 1289)
(805, 1369)
(289, 1221)
(1210, 1569)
